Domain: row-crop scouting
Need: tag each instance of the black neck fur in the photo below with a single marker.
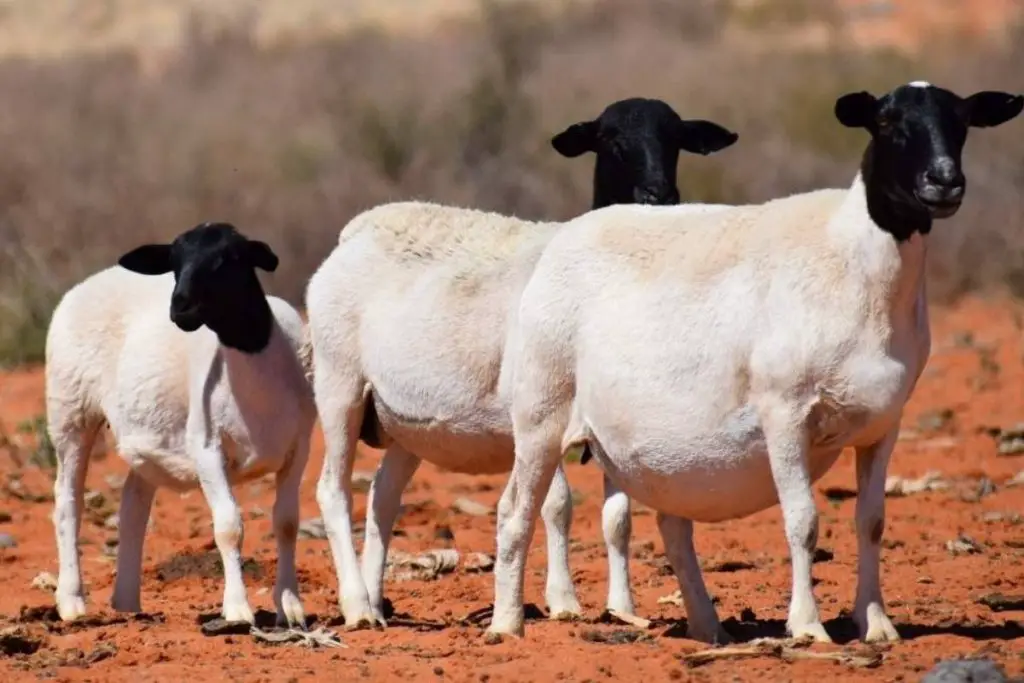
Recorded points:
(899, 218)
(247, 325)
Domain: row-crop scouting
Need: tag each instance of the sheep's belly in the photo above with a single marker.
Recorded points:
(165, 463)
(468, 446)
(709, 478)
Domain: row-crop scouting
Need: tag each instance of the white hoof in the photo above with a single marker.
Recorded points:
(875, 627)
(290, 612)
(238, 611)
(814, 630)
(70, 607)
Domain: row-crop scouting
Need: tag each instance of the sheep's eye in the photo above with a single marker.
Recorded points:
(887, 121)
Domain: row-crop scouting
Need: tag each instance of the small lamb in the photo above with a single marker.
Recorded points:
(407, 320)
(188, 405)
(716, 364)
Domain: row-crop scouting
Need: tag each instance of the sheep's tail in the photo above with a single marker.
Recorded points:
(306, 354)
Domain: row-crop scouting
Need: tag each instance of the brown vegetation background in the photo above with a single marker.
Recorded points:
(107, 142)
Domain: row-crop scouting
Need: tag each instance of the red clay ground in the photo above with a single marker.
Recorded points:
(976, 372)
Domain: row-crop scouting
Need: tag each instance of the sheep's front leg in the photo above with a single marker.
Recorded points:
(73, 445)
(616, 522)
(228, 533)
(385, 499)
(786, 438)
(557, 515)
(133, 516)
(286, 529)
(703, 623)
(869, 608)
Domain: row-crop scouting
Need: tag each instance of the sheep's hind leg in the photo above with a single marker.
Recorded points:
(702, 619)
(557, 515)
(341, 405)
(73, 444)
(286, 529)
(617, 526)
(385, 499)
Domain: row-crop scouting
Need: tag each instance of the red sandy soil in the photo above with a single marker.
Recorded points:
(976, 372)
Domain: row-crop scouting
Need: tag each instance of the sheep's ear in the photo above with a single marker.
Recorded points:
(857, 110)
(703, 137)
(149, 259)
(260, 255)
(576, 139)
(989, 108)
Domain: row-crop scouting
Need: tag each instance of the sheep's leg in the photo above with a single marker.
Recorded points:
(341, 404)
(557, 515)
(616, 523)
(786, 438)
(73, 444)
(393, 475)
(228, 532)
(702, 619)
(136, 503)
(539, 420)
(869, 608)
(286, 529)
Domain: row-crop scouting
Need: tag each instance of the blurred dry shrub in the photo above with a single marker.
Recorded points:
(289, 143)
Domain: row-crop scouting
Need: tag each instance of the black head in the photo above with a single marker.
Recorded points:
(215, 282)
(918, 131)
(637, 142)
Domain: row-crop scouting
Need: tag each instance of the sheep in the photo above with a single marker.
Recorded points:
(188, 406)
(717, 364)
(407, 319)
(637, 143)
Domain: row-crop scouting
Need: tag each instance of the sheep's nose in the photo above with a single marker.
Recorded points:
(946, 175)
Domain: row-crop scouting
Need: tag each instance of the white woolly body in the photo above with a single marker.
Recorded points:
(113, 350)
(674, 332)
(414, 305)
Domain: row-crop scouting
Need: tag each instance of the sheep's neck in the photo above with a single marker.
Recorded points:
(246, 327)
(896, 216)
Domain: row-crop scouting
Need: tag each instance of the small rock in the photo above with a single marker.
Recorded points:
(312, 528)
(492, 638)
(471, 507)
(997, 602)
(222, 627)
(935, 420)
(1011, 441)
(115, 481)
(984, 488)
(110, 546)
(361, 481)
(616, 637)
(256, 512)
(444, 533)
(112, 523)
(1016, 480)
(5, 517)
(7, 541)
(478, 562)
(965, 671)
(963, 545)
(45, 581)
(925, 580)
(898, 486)
(95, 500)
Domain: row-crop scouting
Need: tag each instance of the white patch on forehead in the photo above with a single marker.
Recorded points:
(920, 84)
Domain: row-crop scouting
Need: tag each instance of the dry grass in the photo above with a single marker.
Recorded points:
(290, 141)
